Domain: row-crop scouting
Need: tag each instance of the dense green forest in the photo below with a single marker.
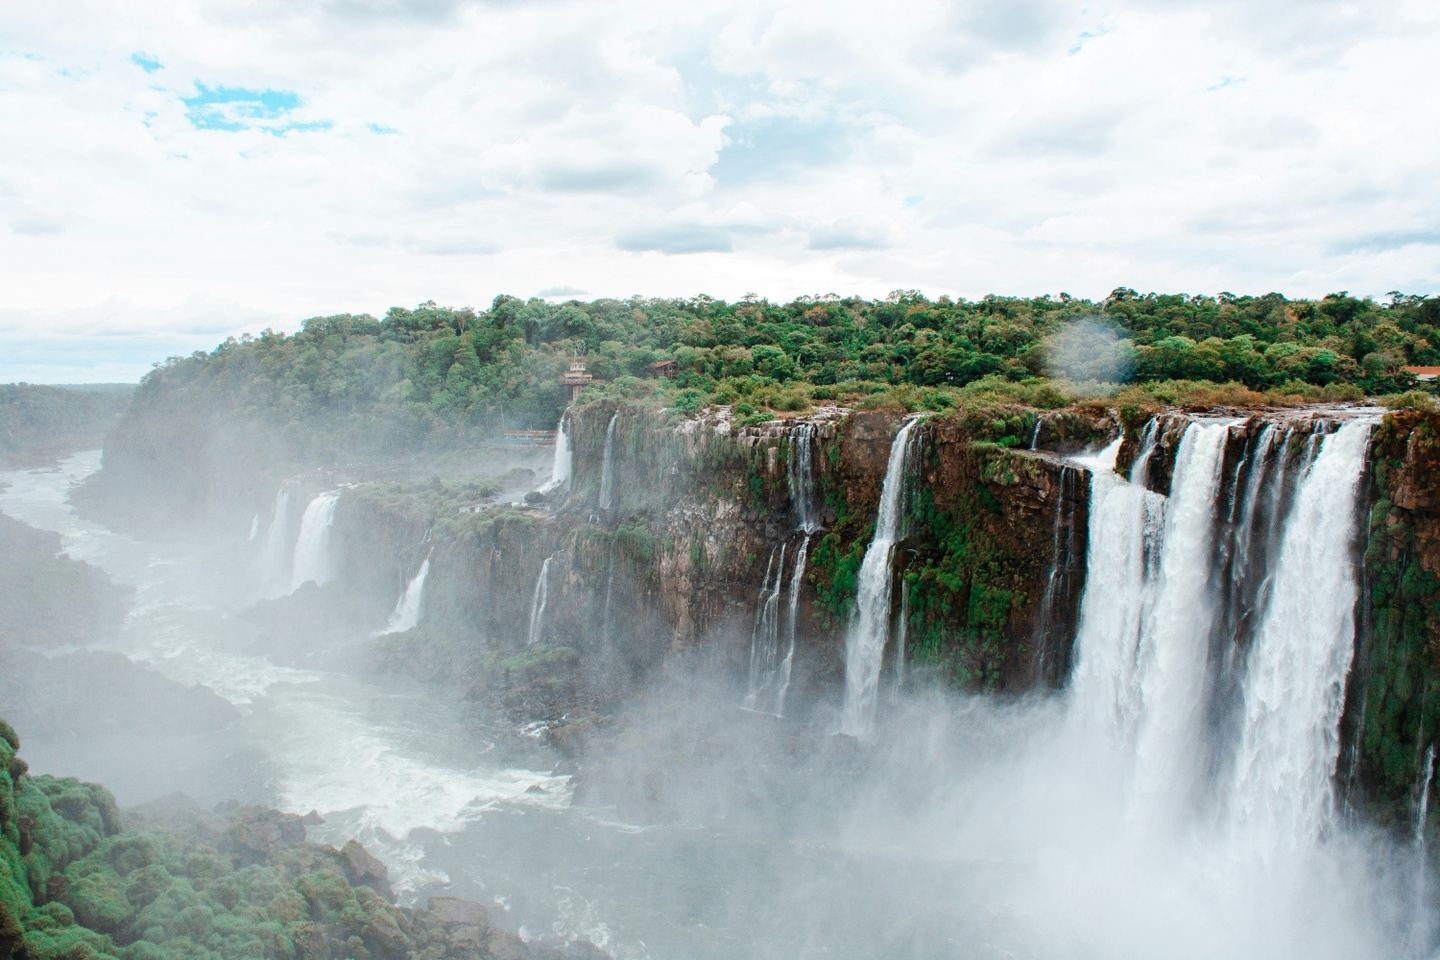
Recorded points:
(40, 421)
(436, 373)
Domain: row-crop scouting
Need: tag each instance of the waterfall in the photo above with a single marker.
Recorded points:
(1175, 644)
(275, 551)
(560, 467)
(1126, 522)
(607, 468)
(765, 635)
(407, 609)
(1035, 433)
(1052, 633)
(792, 613)
(312, 546)
(1422, 924)
(800, 474)
(902, 634)
(869, 624)
(537, 603)
(1294, 688)
(254, 529)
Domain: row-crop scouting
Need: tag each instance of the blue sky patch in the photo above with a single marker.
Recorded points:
(382, 129)
(146, 61)
(239, 108)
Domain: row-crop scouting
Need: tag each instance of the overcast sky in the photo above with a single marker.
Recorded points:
(176, 172)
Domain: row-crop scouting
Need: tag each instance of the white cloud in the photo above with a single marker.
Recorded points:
(473, 148)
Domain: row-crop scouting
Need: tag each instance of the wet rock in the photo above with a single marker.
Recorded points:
(504, 945)
(257, 834)
(455, 912)
(364, 870)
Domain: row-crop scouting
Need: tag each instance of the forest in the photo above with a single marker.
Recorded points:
(433, 374)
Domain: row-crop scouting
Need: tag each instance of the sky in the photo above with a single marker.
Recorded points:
(175, 173)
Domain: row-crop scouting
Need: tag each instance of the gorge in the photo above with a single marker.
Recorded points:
(1130, 685)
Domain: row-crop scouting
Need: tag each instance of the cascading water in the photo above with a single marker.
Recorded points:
(1295, 676)
(869, 625)
(561, 466)
(407, 609)
(275, 551)
(765, 636)
(1051, 634)
(537, 604)
(1126, 521)
(1159, 641)
(607, 468)
(770, 669)
(1174, 646)
(312, 563)
(902, 634)
(800, 476)
(792, 614)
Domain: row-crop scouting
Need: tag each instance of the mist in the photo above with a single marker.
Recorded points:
(489, 678)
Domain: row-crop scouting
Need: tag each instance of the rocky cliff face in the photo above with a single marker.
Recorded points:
(1393, 715)
(672, 566)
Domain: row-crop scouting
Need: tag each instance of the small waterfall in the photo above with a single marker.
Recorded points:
(560, 468)
(312, 547)
(607, 469)
(902, 634)
(537, 604)
(765, 636)
(792, 613)
(1052, 631)
(1294, 687)
(407, 609)
(275, 551)
(1422, 924)
(1035, 433)
(800, 474)
(254, 529)
(869, 624)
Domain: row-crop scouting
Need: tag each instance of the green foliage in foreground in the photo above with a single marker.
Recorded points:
(76, 883)
(435, 374)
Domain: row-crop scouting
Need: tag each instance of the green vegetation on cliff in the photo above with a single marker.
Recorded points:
(435, 374)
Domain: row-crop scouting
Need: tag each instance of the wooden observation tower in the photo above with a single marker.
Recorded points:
(576, 378)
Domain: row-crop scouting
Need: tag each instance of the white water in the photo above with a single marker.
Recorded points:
(971, 833)
(792, 616)
(1174, 642)
(376, 762)
(800, 475)
(1295, 679)
(313, 563)
(607, 468)
(870, 624)
(562, 465)
(407, 609)
(765, 635)
(254, 529)
(275, 553)
(537, 604)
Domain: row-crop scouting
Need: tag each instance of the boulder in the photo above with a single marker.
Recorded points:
(364, 870)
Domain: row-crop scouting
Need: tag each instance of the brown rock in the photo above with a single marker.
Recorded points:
(364, 870)
(455, 912)
(504, 945)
